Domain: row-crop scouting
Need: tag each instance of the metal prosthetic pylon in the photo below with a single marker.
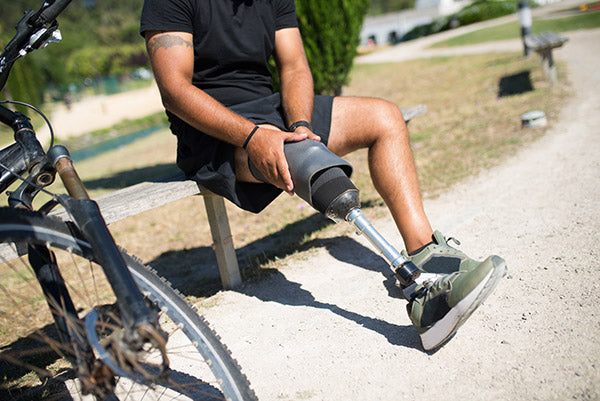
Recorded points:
(405, 271)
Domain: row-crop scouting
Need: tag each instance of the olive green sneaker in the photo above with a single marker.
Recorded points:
(438, 259)
(441, 258)
(438, 308)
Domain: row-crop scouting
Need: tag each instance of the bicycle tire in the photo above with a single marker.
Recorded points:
(227, 381)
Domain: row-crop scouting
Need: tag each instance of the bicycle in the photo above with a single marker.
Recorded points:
(125, 332)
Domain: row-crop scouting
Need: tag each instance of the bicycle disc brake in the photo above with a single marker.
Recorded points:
(147, 364)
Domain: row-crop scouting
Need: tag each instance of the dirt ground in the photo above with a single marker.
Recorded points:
(329, 325)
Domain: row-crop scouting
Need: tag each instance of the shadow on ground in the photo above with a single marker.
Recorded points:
(278, 288)
(271, 285)
(194, 271)
(515, 84)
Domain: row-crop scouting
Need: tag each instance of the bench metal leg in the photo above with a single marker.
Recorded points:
(222, 241)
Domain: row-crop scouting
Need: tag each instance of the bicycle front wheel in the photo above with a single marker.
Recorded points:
(34, 361)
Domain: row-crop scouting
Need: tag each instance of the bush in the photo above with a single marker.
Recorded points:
(480, 10)
(331, 33)
(484, 10)
(105, 60)
(25, 84)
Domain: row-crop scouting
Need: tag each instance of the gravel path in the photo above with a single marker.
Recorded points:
(329, 325)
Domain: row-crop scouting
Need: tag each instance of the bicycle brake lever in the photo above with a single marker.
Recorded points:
(43, 37)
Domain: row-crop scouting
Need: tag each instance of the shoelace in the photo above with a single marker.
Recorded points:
(443, 284)
(457, 242)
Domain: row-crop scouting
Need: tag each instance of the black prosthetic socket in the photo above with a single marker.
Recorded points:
(327, 186)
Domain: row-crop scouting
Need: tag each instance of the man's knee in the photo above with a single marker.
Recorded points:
(360, 122)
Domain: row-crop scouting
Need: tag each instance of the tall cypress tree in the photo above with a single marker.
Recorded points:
(331, 33)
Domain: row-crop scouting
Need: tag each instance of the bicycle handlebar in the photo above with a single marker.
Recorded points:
(32, 31)
(49, 11)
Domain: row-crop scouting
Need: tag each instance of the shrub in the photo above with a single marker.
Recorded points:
(484, 10)
(331, 33)
(480, 10)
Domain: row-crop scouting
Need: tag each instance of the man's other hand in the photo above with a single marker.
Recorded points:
(265, 150)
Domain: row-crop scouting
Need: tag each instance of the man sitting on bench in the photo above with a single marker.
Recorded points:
(242, 141)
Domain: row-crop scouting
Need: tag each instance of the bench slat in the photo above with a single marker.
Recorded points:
(142, 197)
(411, 112)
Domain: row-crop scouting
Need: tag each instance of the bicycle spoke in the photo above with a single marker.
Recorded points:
(190, 375)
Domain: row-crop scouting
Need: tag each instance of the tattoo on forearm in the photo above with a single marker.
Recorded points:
(165, 42)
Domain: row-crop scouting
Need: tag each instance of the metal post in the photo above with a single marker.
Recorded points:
(525, 22)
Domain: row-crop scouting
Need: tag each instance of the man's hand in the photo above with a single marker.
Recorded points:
(308, 132)
(265, 150)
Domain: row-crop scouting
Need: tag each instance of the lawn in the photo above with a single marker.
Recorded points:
(512, 30)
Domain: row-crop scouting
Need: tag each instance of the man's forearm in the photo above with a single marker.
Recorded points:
(206, 114)
(297, 95)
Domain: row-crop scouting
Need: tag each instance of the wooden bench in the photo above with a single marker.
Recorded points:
(148, 195)
(543, 44)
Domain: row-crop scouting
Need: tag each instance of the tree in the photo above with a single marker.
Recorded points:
(25, 84)
(331, 33)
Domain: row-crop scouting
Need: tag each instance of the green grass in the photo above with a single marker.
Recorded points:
(511, 30)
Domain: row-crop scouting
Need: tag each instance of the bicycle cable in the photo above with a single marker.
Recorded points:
(37, 111)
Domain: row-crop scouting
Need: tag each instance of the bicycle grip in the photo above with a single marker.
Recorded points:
(50, 13)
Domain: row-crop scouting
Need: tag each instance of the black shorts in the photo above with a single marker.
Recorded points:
(210, 162)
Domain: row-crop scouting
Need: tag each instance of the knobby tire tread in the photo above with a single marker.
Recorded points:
(49, 229)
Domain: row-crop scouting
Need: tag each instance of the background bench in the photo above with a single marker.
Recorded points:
(148, 195)
(543, 44)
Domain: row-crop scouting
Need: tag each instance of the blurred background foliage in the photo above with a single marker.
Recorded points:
(101, 44)
(101, 40)
(377, 7)
(477, 11)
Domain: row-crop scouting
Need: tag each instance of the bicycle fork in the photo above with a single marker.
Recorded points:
(135, 313)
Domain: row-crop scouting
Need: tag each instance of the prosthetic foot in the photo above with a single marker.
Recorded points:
(323, 180)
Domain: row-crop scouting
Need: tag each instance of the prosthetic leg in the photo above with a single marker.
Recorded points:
(323, 180)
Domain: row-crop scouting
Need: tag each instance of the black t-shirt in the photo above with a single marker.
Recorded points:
(233, 40)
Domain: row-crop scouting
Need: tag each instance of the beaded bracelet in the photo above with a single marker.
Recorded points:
(299, 123)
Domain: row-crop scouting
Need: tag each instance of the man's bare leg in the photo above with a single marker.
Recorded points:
(438, 305)
(379, 126)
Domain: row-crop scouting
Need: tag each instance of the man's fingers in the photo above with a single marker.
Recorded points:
(294, 137)
(314, 137)
(286, 177)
